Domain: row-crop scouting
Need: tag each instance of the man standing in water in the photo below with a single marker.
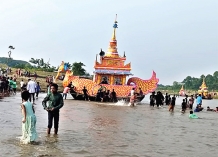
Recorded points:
(85, 93)
(55, 102)
(31, 87)
(199, 100)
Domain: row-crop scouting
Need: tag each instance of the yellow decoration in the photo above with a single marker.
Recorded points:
(203, 89)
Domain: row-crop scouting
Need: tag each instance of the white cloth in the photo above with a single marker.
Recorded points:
(31, 86)
(21, 84)
(132, 92)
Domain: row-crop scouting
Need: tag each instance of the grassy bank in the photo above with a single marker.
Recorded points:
(41, 79)
(188, 92)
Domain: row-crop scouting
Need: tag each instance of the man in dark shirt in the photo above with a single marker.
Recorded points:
(159, 99)
(186, 99)
(152, 99)
(107, 94)
(55, 102)
(113, 96)
(167, 99)
(85, 93)
(183, 105)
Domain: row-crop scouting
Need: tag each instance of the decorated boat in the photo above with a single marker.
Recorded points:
(110, 74)
(203, 90)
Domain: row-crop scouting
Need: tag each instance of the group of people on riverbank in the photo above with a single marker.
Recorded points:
(5, 72)
(25, 73)
(8, 85)
(49, 79)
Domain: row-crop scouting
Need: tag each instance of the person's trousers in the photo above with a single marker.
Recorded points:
(37, 94)
(53, 115)
(86, 97)
(64, 95)
(32, 95)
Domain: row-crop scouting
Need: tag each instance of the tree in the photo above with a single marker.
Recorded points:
(176, 85)
(188, 82)
(215, 76)
(78, 69)
(32, 60)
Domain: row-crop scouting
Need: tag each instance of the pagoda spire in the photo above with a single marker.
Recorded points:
(182, 88)
(203, 84)
(115, 26)
(112, 49)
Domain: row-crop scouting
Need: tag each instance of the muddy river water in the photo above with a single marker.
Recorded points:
(90, 129)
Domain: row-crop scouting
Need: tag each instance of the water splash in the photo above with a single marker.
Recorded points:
(119, 103)
(122, 103)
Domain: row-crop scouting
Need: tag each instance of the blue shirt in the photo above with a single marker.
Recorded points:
(38, 88)
(199, 100)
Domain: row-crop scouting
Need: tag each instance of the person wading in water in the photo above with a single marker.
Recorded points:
(152, 99)
(85, 93)
(55, 102)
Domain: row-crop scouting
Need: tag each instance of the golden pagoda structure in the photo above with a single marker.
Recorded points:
(112, 67)
(203, 90)
(182, 91)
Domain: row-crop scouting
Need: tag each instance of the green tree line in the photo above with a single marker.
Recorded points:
(41, 65)
(193, 83)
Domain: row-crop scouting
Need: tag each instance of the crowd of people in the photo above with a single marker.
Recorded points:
(49, 79)
(25, 73)
(187, 103)
(8, 86)
(4, 72)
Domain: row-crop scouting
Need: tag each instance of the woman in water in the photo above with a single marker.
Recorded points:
(29, 134)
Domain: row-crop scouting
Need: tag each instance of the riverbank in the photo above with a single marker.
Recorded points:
(41, 79)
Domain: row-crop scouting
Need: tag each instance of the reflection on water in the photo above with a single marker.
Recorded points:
(95, 129)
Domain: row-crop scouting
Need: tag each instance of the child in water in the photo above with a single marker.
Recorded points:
(29, 134)
(192, 115)
(209, 109)
(173, 103)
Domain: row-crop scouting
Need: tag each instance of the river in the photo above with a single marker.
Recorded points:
(89, 129)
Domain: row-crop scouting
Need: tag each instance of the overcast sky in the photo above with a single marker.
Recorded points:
(175, 38)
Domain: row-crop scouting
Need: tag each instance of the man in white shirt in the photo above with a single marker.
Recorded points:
(21, 85)
(132, 92)
(31, 87)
